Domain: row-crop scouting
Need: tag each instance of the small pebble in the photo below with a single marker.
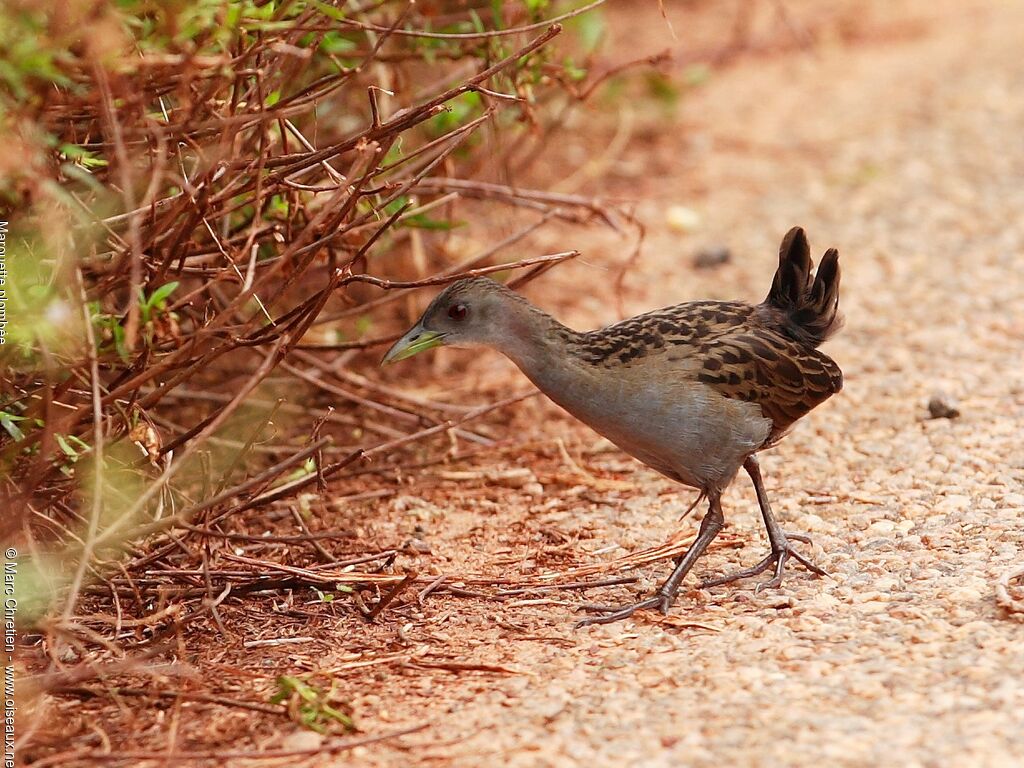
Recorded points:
(681, 218)
(954, 502)
(707, 258)
(881, 528)
(778, 602)
(417, 547)
(942, 407)
(302, 740)
(963, 595)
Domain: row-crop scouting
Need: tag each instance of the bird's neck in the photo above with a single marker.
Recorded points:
(540, 346)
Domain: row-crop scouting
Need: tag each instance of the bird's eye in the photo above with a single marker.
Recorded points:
(458, 311)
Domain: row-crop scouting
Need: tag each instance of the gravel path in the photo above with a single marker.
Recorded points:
(907, 153)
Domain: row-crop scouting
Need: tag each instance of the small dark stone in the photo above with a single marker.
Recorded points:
(708, 258)
(941, 407)
(417, 546)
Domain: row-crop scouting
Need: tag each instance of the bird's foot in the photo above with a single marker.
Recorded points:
(613, 613)
(781, 552)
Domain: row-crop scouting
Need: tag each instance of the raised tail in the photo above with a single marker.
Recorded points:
(806, 304)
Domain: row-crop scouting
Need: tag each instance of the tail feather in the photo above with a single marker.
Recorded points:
(808, 302)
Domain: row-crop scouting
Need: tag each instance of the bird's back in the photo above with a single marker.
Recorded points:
(764, 354)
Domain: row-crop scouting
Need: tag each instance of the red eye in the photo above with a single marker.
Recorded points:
(458, 311)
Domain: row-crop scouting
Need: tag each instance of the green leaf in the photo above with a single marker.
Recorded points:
(498, 13)
(70, 452)
(82, 155)
(662, 88)
(308, 468)
(458, 112)
(395, 205)
(315, 710)
(7, 422)
(574, 72)
(278, 206)
(160, 295)
(333, 43)
(364, 323)
(122, 349)
(334, 714)
(80, 443)
(421, 221)
(696, 74)
(329, 10)
(590, 28)
(478, 24)
(394, 152)
(82, 174)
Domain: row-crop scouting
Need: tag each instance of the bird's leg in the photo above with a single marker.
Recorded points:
(781, 548)
(666, 594)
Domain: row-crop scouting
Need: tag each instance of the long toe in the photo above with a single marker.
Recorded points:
(807, 563)
(746, 573)
(611, 614)
(781, 553)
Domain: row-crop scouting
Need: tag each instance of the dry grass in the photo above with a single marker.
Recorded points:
(288, 544)
(217, 212)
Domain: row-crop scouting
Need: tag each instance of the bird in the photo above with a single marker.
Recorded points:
(695, 391)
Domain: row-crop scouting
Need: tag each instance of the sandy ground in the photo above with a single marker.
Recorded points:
(901, 142)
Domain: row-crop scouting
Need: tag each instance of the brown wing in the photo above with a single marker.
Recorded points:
(785, 378)
(683, 326)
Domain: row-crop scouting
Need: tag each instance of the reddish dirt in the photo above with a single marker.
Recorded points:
(897, 139)
(898, 142)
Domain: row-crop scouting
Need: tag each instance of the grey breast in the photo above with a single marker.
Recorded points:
(677, 426)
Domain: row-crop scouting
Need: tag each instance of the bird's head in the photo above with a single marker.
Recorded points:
(469, 312)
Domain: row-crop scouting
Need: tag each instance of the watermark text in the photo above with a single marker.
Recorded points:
(10, 610)
(3, 282)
